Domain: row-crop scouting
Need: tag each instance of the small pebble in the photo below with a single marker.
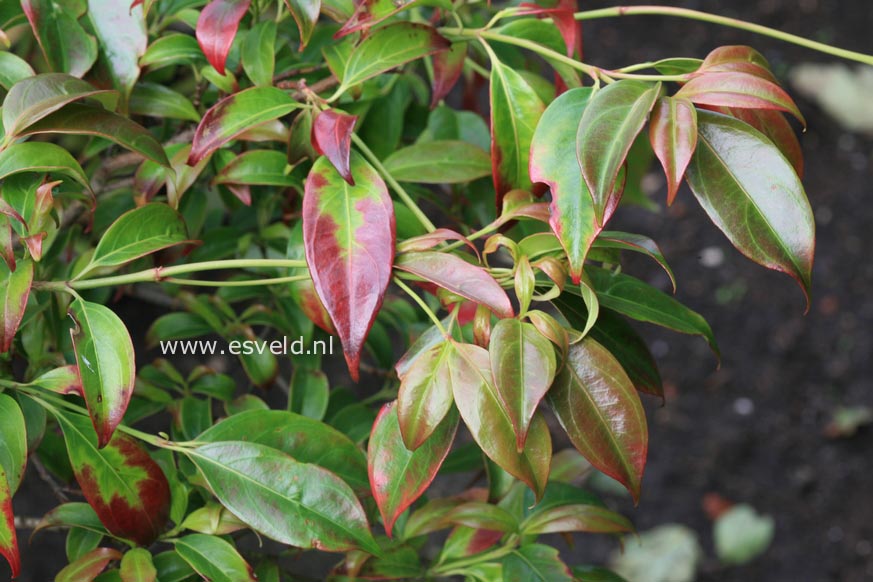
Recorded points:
(744, 406)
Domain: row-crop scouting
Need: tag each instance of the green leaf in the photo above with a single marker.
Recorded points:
(258, 53)
(137, 233)
(535, 562)
(573, 218)
(438, 162)
(137, 566)
(523, 363)
(751, 192)
(308, 393)
(390, 47)
(480, 407)
(425, 395)
(72, 515)
(305, 14)
(236, 114)
(87, 120)
(515, 112)
(40, 157)
(13, 69)
(126, 488)
(601, 412)
(172, 49)
(318, 509)
(80, 542)
(14, 291)
(160, 101)
(741, 535)
(65, 44)
(609, 126)
(576, 518)
(105, 357)
(8, 536)
(121, 30)
(614, 333)
(89, 566)
(673, 133)
(172, 567)
(626, 241)
(481, 515)
(13, 442)
(258, 168)
(214, 559)
(399, 476)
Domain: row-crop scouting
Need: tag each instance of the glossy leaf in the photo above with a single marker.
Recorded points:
(214, 559)
(137, 566)
(610, 124)
(121, 30)
(515, 112)
(257, 167)
(259, 54)
(774, 125)
(332, 138)
(399, 476)
(483, 413)
(737, 58)
(752, 193)
(121, 482)
(305, 14)
(637, 243)
(13, 69)
(425, 395)
(447, 68)
(172, 49)
(535, 562)
(318, 509)
(741, 90)
(523, 363)
(573, 218)
(14, 291)
(439, 162)
(673, 133)
(40, 157)
(13, 443)
(105, 357)
(8, 535)
(482, 515)
(390, 47)
(576, 518)
(601, 412)
(216, 29)
(89, 566)
(349, 236)
(160, 101)
(235, 114)
(65, 44)
(458, 276)
(72, 515)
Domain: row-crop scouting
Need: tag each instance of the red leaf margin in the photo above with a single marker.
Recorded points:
(217, 27)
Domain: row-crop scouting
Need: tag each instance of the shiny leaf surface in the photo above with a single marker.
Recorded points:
(425, 395)
(332, 138)
(216, 29)
(741, 90)
(535, 562)
(121, 31)
(214, 559)
(673, 133)
(438, 162)
(14, 291)
(89, 566)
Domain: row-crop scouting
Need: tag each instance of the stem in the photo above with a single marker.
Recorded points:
(724, 21)
(424, 306)
(241, 283)
(404, 196)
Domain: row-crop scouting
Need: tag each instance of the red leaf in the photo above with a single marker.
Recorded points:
(14, 292)
(8, 538)
(216, 29)
(562, 16)
(738, 58)
(673, 133)
(447, 68)
(332, 137)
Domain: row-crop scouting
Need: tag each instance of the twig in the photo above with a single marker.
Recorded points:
(43, 473)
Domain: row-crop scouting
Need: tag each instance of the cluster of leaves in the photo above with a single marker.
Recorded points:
(272, 134)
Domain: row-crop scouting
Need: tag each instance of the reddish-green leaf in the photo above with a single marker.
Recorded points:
(425, 395)
(137, 566)
(617, 335)
(535, 563)
(216, 29)
(774, 125)
(610, 124)
(523, 363)
(121, 482)
(8, 536)
(742, 90)
(447, 68)
(40, 157)
(483, 413)
(65, 44)
(399, 476)
(752, 193)
(121, 30)
(637, 243)
(305, 14)
(572, 217)
(438, 162)
(319, 510)
(349, 235)
(597, 405)
(673, 133)
(458, 276)
(515, 111)
(737, 58)
(14, 291)
(576, 518)
(481, 515)
(257, 167)
(332, 138)
(105, 357)
(89, 566)
(234, 115)
(303, 292)
(215, 559)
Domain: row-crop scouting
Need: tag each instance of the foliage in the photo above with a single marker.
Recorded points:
(309, 159)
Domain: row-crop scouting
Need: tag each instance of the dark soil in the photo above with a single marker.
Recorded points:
(753, 430)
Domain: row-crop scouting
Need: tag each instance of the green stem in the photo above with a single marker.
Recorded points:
(421, 303)
(240, 283)
(404, 196)
(724, 21)
(159, 274)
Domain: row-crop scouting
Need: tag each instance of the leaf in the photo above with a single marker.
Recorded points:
(309, 392)
(741, 535)
(399, 476)
(332, 138)
(390, 47)
(13, 443)
(737, 58)
(349, 236)
(172, 49)
(458, 276)
(515, 111)
(137, 566)
(774, 125)
(480, 407)
(8, 535)
(482, 515)
(447, 68)
(121, 30)
(425, 395)
(523, 363)
(13, 69)
(234, 115)
(40, 157)
(751, 193)
(214, 559)
(65, 44)
(14, 291)
(638, 300)
(89, 566)
(72, 515)
(172, 567)
(637, 243)
(105, 357)
(258, 53)
(318, 509)
(216, 29)
(305, 14)
(673, 133)
(257, 167)
(37, 97)
(438, 162)
(668, 552)
(160, 101)
(573, 218)
(741, 90)
(615, 334)
(126, 488)
(610, 124)
(601, 412)
(88, 120)
(535, 562)
(576, 517)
